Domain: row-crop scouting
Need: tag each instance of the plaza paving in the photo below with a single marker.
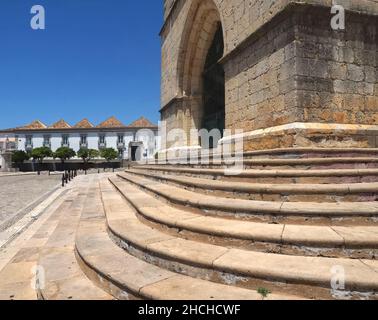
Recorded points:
(18, 192)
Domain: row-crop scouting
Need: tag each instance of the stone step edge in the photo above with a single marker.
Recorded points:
(96, 292)
(109, 280)
(278, 208)
(308, 276)
(278, 161)
(284, 151)
(268, 173)
(43, 291)
(248, 187)
(186, 221)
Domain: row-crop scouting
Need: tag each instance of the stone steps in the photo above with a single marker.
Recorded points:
(265, 210)
(124, 276)
(292, 153)
(60, 276)
(271, 192)
(241, 268)
(325, 176)
(300, 163)
(313, 153)
(357, 242)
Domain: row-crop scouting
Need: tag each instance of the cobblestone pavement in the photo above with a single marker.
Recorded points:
(17, 192)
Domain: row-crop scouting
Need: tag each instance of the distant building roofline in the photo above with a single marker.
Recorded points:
(111, 124)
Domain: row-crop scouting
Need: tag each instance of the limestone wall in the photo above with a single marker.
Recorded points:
(302, 71)
(240, 19)
(168, 4)
(283, 63)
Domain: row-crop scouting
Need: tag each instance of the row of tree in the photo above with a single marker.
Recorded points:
(64, 154)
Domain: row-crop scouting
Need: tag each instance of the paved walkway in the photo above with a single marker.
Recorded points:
(19, 258)
(16, 174)
(18, 192)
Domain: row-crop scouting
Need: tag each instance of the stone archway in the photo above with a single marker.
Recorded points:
(200, 75)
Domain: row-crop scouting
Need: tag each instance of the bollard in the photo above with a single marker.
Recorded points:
(66, 177)
(63, 180)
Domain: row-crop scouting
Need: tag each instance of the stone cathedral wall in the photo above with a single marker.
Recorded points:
(284, 64)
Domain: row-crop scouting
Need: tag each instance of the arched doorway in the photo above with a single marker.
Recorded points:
(201, 77)
(214, 87)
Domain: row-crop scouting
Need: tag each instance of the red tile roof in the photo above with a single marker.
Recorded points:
(61, 124)
(35, 125)
(142, 122)
(112, 122)
(84, 124)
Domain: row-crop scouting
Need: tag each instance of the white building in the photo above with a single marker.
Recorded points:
(134, 142)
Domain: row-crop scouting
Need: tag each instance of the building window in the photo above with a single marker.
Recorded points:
(101, 141)
(29, 143)
(121, 142)
(46, 141)
(29, 140)
(65, 140)
(83, 141)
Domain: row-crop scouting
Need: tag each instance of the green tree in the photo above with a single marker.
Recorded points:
(87, 154)
(64, 154)
(109, 154)
(19, 157)
(41, 153)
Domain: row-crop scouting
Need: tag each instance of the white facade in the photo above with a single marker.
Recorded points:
(117, 139)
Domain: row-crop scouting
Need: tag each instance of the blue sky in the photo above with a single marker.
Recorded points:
(95, 59)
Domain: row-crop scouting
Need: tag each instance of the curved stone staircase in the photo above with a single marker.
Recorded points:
(288, 225)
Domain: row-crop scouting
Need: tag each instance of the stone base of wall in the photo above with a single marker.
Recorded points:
(316, 135)
(6, 161)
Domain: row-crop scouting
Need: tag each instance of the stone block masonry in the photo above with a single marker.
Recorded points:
(283, 65)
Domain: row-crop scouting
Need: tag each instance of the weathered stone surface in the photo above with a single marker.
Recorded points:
(313, 270)
(283, 64)
(185, 197)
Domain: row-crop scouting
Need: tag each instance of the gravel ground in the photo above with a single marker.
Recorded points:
(18, 192)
